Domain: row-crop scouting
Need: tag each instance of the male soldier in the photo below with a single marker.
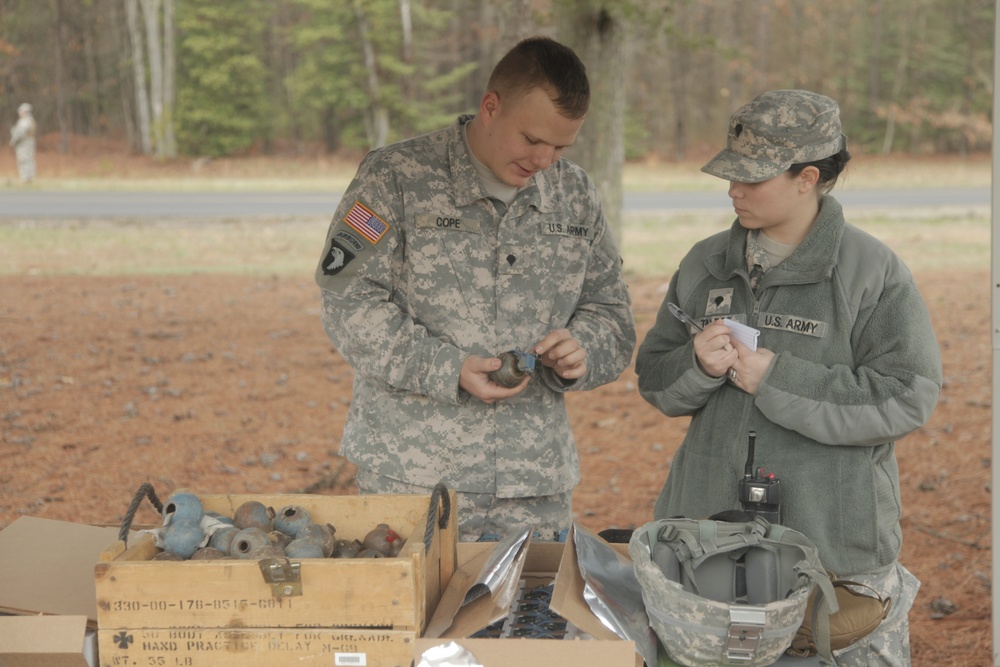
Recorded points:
(22, 138)
(451, 248)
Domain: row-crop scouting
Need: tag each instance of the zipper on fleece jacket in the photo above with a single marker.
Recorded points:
(738, 449)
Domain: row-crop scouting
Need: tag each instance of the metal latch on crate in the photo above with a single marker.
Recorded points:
(745, 627)
(283, 575)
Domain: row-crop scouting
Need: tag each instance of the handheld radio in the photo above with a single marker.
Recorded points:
(760, 492)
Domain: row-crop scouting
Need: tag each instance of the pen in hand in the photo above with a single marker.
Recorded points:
(676, 311)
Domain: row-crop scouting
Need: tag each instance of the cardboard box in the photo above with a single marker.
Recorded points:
(214, 613)
(47, 567)
(48, 612)
(46, 641)
(544, 561)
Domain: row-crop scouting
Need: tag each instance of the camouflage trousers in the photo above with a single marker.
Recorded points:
(26, 168)
(889, 644)
(483, 516)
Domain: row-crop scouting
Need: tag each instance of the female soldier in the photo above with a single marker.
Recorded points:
(847, 361)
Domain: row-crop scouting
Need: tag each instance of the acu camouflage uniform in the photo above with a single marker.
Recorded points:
(421, 269)
(22, 138)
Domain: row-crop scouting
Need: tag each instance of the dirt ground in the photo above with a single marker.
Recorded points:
(221, 383)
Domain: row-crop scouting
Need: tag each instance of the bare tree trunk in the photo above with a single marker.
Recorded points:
(763, 49)
(917, 128)
(169, 71)
(331, 130)
(60, 83)
(897, 87)
(875, 60)
(378, 116)
(407, 48)
(125, 79)
(732, 24)
(407, 21)
(966, 104)
(94, 119)
(483, 48)
(598, 37)
(681, 65)
(139, 74)
(151, 13)
(516, 23)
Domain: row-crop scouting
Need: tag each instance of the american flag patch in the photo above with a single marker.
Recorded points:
(366, 223)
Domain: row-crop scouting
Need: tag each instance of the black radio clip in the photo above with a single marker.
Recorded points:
(760, 492)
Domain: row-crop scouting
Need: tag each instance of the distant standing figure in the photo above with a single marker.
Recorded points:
(22, 138)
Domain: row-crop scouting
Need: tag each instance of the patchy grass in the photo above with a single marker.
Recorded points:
(652, 243)
(104, 248)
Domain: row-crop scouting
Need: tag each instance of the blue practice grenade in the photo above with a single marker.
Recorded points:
(514, 366)
(322, 533)
(182, 537)
(305, 547)
(291, 519)
(183, 505)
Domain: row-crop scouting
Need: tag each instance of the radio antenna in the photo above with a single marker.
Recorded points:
(748, 468)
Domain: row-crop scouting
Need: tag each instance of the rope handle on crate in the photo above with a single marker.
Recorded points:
(145, 491)
(439, 495)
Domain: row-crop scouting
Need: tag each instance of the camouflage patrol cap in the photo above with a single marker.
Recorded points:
(775, 130)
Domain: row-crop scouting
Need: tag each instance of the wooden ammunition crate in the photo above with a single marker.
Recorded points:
(336, 611)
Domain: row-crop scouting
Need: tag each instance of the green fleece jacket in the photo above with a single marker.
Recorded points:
(857, 367)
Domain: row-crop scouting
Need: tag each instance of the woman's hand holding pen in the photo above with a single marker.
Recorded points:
(714, 349)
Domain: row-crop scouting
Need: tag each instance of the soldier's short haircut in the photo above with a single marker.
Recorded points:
(542, 62)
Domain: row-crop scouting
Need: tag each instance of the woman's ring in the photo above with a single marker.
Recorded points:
(732, 374)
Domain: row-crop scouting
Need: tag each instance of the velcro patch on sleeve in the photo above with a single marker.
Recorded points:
(364, 221)
(336, 258)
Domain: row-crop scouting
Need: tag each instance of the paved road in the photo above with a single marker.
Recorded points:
(37, 204)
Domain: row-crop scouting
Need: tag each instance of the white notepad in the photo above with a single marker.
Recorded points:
(743, 333)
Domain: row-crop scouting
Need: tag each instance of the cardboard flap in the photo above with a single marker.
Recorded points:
(42, 640)
(47, 566)
(452, 618)
(567, 595)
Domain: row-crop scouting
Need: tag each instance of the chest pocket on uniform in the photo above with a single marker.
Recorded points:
(558, 268)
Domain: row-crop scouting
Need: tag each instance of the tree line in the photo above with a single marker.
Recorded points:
(223, 77)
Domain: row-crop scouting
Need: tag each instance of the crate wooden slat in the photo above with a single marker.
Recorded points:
(248, 647)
